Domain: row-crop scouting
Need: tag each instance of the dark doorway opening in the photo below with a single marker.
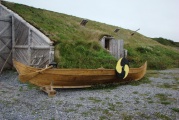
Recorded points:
(107, 44)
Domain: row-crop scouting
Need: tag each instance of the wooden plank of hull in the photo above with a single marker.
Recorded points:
(76, 78)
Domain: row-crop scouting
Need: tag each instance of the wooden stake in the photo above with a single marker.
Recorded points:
(49, 90)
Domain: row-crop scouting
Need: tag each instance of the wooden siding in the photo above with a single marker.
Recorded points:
(116, 47)
(5, 42)
(27, 44)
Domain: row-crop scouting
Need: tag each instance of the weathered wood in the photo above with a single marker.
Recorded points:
(121, 48)
(32, 47)
(3, 12)
(21, 46)
(3, 30)
(29, 49)
(125, 53)
(41, 47)
(21, 55)
(5, 43)
(6, 62)
(76, 77)
(5, 46)
(49, 90)
(27, 41)
(31, 75)
(13, 37)
(115, 47)
(37, 60)
(5, 19)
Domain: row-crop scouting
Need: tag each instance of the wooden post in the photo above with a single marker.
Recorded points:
(102, 42)
(13, 37)
(121, 48)
(125, 53)
(29, 45)
(118, 49)
(51, 54)
(0, 8)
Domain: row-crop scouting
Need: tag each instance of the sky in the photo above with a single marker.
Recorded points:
(155, 18)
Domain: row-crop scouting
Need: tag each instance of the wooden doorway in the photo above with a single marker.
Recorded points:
(5, 42)
(106, 44)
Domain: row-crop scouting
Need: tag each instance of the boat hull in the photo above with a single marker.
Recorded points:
(74, 78)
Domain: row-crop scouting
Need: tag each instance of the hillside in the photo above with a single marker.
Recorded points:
(78, 47)
(166, 42)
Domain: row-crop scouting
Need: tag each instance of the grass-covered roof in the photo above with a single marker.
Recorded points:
(77, 46)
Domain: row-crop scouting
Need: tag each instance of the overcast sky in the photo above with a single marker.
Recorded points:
(155, 18)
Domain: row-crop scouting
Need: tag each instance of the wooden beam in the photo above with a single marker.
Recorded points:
(29, 44)
(21, 46)
(5, 37)
(6, 62)
(0, 9)
(4, 52)
(40, 47)
(51, 54)
(5, 45)
(4, 29)
(31, 47)
(13, 37)
(5, 19)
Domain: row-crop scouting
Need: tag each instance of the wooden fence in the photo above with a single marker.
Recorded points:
(21, 41)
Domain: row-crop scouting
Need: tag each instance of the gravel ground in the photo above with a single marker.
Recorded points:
(155, 97)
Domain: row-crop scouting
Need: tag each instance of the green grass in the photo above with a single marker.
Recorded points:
(162, 116)
(90, 55)
(162, 97)
(94, 100)
(175, 109)
(70, 110)
(79, 105)
(59, 102)
(166, 42)
(126, 116)
(78, 47)
(32, 86)
(169, 86)
(158, 57)
(21, 89)
(144, 116)
(135, 92)
(107, 87)
(81, 98)
(111, 106)
(144, 80)
(103, 117)
(165, 99)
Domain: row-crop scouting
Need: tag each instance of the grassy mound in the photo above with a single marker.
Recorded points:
(166, 42)
(78, 47)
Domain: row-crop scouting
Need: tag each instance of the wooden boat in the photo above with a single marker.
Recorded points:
(50, 78)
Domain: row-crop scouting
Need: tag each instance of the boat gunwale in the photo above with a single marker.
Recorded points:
(29, 68)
